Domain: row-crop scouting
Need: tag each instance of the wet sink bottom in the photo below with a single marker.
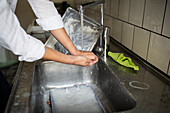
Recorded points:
(76, 89)
(76, 99)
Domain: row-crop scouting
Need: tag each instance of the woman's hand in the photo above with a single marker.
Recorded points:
(88, 54)
(82, 61)
(86, 60)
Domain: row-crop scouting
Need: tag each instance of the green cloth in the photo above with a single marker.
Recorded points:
(121, 59)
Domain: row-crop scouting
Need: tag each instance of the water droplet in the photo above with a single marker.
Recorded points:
(78, 87)
(67, 90)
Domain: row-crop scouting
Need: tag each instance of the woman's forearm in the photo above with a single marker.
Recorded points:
(63, 38)
(51, 54)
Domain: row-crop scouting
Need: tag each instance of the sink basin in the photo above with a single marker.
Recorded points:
(64, 88)
(76, 89)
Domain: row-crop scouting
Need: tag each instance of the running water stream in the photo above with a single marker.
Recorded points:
(81, 20)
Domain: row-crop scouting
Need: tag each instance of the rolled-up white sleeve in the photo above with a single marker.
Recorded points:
(47, 15)
(14, 38)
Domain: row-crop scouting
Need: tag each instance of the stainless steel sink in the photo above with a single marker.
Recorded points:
(76, 89)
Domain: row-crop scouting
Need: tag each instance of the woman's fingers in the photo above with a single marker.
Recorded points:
(88, 63)
(90, 55)
(83, 61)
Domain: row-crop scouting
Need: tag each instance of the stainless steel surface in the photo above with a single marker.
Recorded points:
(111, 94)
(14, 88)
(71, 20)
(19, 100)
(76, 99)
(55, 79)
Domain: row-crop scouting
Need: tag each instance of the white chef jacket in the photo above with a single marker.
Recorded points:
(14, 38)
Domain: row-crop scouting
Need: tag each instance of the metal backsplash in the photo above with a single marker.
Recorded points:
(72, 25)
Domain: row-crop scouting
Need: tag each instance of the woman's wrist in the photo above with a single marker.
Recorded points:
(75, 52)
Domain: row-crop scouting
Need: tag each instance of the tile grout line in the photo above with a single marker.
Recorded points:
(148, 47)
(121, 33)
(110, 7)
(118, 9)
(133, 38)
(163, 21)
(143, 13)
(129, 10)
(168, 67)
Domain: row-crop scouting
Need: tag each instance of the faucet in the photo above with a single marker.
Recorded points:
(104, 38)
(92, 4)
(103, 50)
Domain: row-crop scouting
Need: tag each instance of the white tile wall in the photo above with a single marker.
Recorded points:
(82, 1)
(107, 7)
(166, 27)
(153, 17)
(96, 8)
(124, 9)
(88, 13)
(116, 30)
(136, 12)
(127, 35)
(59, 1)
(159, 52)
(74, 3)
(92, 14)
(141, 40)
(114, 5)
(108, 22)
